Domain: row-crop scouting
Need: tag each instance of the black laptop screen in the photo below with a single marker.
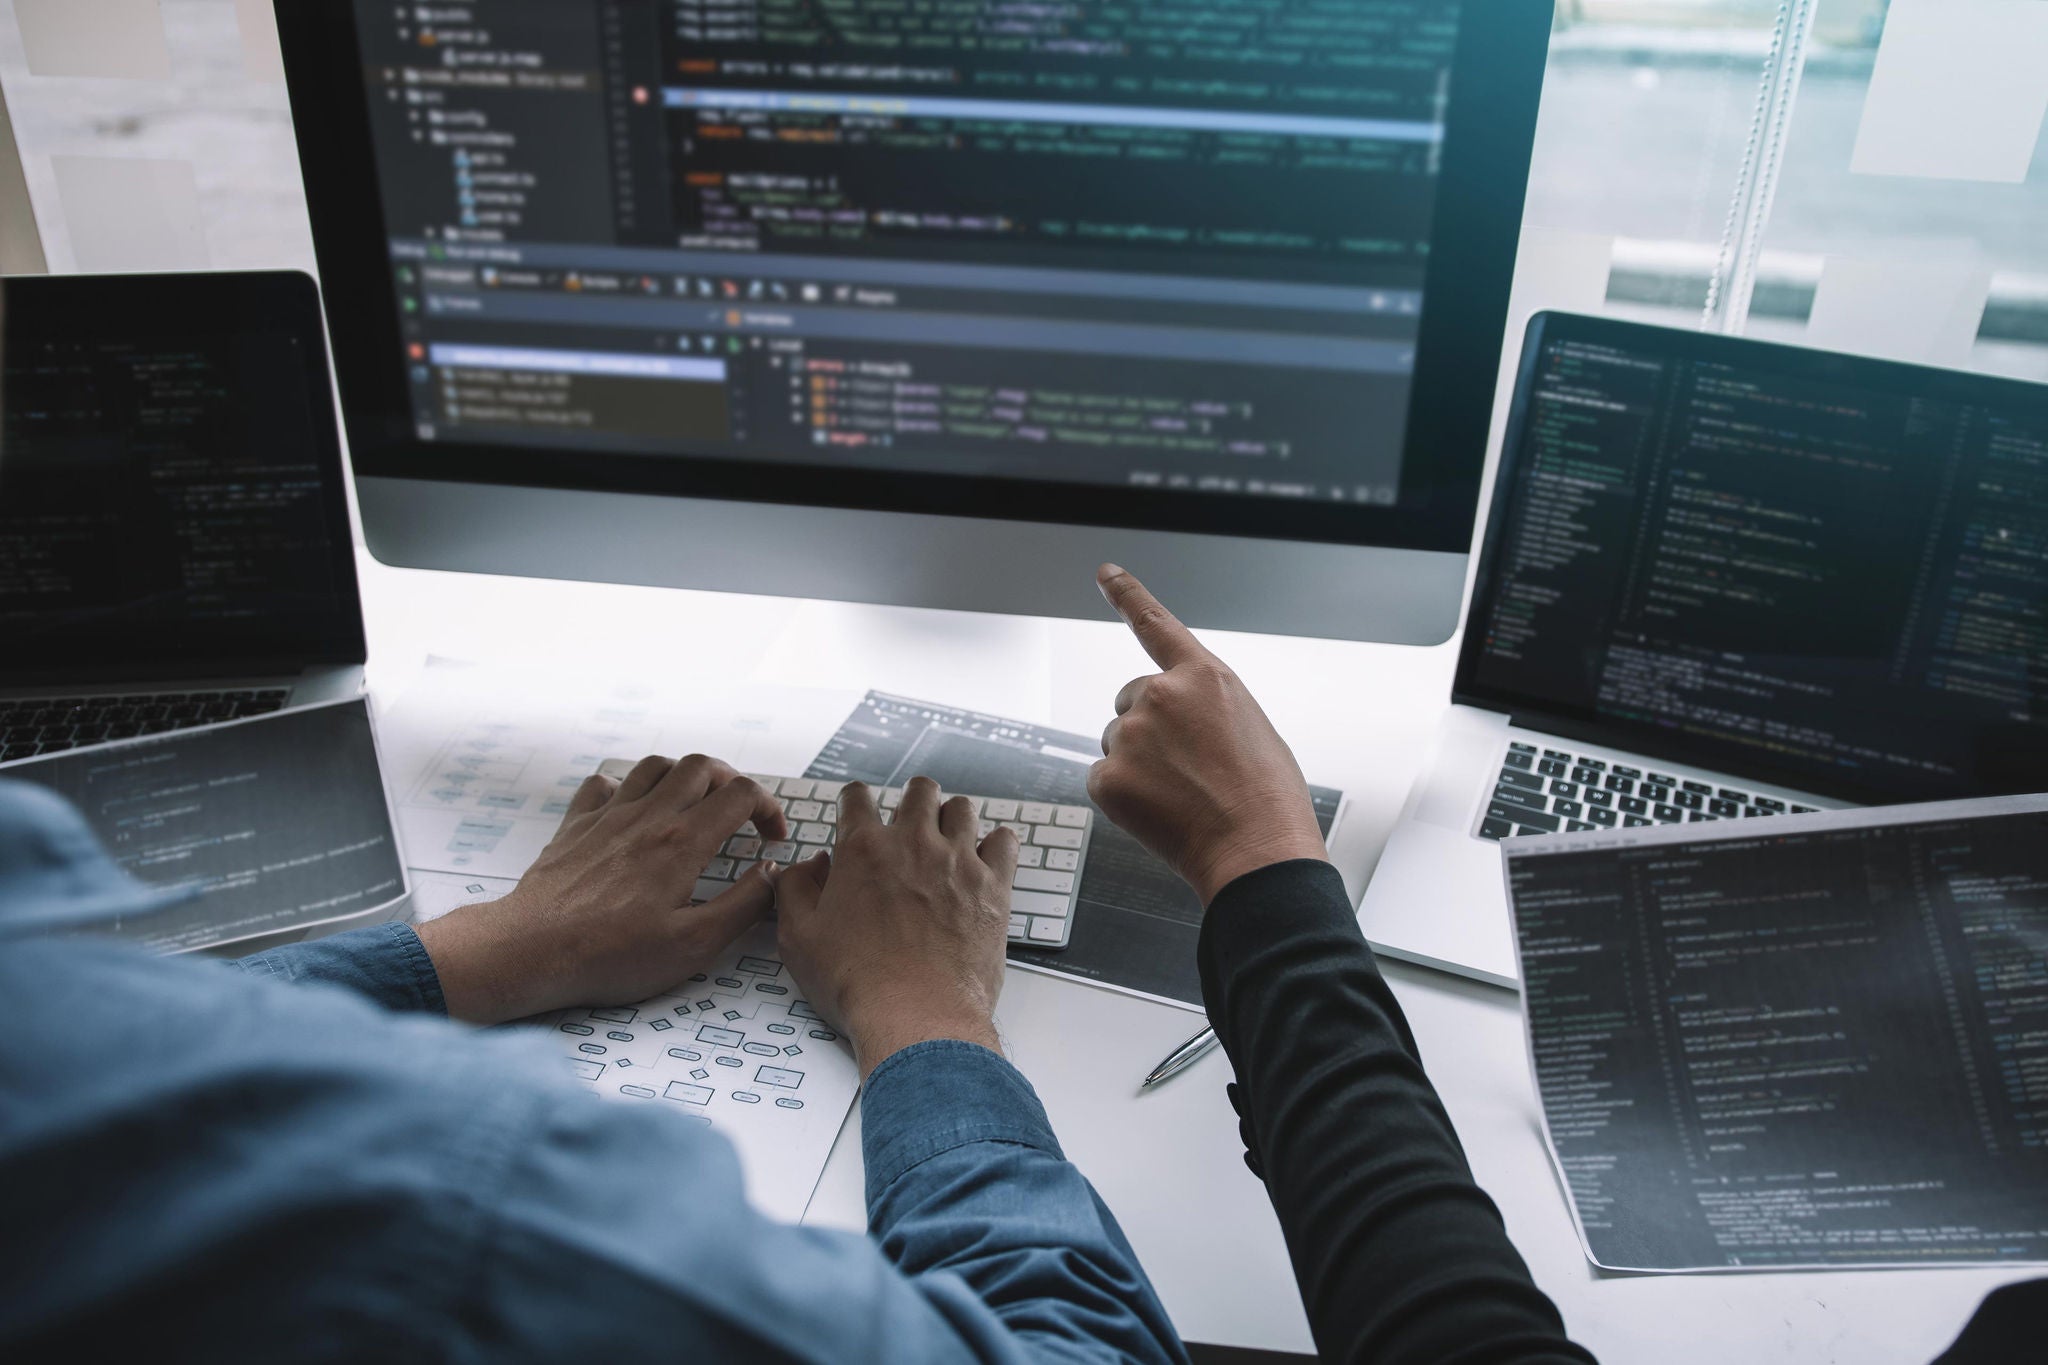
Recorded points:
(1788, 565)
(168, 501)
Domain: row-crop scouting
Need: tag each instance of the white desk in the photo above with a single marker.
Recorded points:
(1169, 1163)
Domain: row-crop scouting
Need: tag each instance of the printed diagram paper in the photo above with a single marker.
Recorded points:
(737, 1049)
(483, 764)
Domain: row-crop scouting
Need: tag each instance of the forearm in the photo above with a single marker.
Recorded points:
(1400, 1256)
(966, 1180)
(386, 963)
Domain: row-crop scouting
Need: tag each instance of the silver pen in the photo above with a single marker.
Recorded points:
(1184, 1056)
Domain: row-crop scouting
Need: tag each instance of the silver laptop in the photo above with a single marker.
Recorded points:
(174, 536)
(1724, 580)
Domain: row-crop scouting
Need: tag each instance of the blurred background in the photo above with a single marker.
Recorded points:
(1688, 151)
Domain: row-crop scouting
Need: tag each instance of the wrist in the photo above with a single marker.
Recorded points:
(1240, 858)
(876, 1041)
(480, 980)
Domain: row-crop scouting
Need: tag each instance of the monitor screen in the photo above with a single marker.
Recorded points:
(169, 500)
(1126, 260)
(1777, 562)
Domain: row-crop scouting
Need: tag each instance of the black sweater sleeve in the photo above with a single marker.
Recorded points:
(1400, 1256)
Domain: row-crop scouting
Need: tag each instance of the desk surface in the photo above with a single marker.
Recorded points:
(1360, 718)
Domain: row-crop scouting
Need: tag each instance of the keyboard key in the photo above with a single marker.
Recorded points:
(1568, 790)
(1534, 819)
(1752, 812)
(1520, 800)
(1028, 856)
(1804, 810)
(1491, 828)
(1071, 817)
(1651, 791)
(1578, 827)
(1557, 756)
(1521, 748)
(798, 789)
(1622, 770)
(1724, 807)
(1528, 782)
(1702, 788)
(1738, 797)
(1596, 797)
(1550, 767)
(1038, 903)
(1036, 879)
(812, 832)
(1570, 810)
(1050, 836)
(1699, 818)
(1617, 783)
(1605, 818)
(1000, 810)
(1662, 779)
(1597, 765)
(1062, 859)
(1691, 800)
(1634, 822)
(1585, 776)
(801, 811)
(1521, 761)
(1046, 931)
(1670, 815)
(1766, 803)
(1035, 813)
(1020, 927)
(719, 869)
(1635, 805)
(1523, 831)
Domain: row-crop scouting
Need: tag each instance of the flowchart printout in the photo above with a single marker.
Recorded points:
(1812, 1041)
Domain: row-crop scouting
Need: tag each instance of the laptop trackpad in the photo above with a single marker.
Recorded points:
(1437, 898)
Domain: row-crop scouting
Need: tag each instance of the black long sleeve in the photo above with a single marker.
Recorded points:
(1400, 1256)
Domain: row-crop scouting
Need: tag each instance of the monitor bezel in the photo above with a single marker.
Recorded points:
(283, 300)
(1490, 128)
(1590, 726)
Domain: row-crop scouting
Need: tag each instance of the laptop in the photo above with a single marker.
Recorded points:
(1724, 580)
(174, 534)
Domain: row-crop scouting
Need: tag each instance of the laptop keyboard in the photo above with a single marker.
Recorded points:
(48, 725)
(1545, 791)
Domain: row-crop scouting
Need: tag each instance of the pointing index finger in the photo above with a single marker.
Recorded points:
(1170, 643)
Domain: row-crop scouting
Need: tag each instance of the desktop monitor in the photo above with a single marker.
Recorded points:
(927, 302)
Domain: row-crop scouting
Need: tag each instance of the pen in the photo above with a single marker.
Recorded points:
(1184, 1056)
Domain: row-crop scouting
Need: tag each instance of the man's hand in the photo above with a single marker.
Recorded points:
(1194, 769)
(603, 918)
(897, 936)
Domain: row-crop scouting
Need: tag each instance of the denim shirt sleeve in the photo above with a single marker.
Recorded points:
(387, 963)
(967, 1188)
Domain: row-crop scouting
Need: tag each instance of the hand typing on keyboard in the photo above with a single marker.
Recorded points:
(603, 917)
(897, 935)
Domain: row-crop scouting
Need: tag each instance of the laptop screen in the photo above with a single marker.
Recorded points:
(170, 481)
(1826, 572)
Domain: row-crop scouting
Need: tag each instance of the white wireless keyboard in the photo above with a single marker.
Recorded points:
(1052, 848)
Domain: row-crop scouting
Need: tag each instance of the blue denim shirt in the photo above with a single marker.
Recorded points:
(295, 1157)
